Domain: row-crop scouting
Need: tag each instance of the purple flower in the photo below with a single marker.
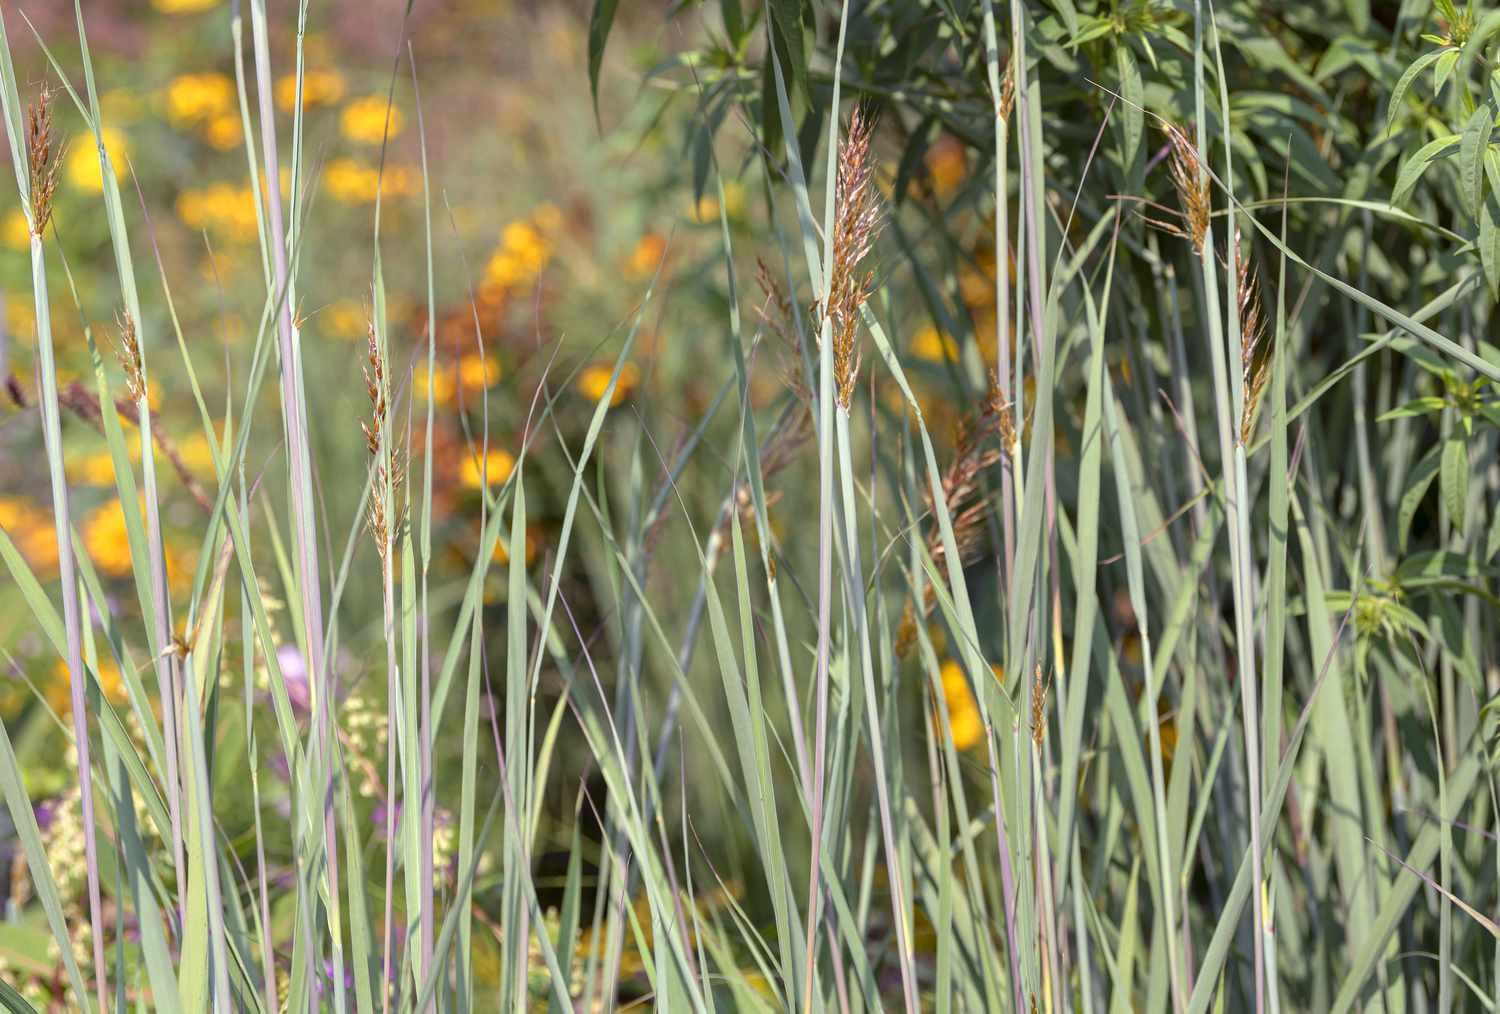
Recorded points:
(294, 676)
(45, 811)
(378, 815)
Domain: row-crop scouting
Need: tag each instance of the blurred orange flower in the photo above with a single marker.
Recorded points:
(319, 88)
(193, 98)
(495, 468)
(593, 381)
(364, 120)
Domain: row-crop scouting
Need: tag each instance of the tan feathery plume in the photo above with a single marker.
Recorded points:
(1186, 169)
(43, 160)
(128, 352)
(1007, 89)
(974, 452)
(776, 313)
(856, 223)
(387, 480)
(1255, 351)
(1038, 707)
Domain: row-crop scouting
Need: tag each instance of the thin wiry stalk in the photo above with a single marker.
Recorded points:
(43, 172)
(294, 416)
(1003, 93)
(825, 402)
(1236, 510)
(378, 524)
(429, 789)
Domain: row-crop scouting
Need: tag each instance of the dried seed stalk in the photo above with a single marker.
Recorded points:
(128, 352)
(1007, 90)
(1255, 351)
(968, 508)
(43, 160)
(388, 477)
(1193, 195)
(1038, 707)
(856, 223)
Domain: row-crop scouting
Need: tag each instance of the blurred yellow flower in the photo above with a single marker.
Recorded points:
(594, 380)
(476, 372)
(20, 318)
(502, 551)
(354, 182)
(16, 230)
(963, 712)
(946, 165)
(83, 161)
(192, 98)
(646, 255)
(364, 120)
(223, 131)
(30, 527)
(223, 207)
(194, 452)
(110, 682)
(495, 468)
(319, 88)
(440, 386)
(183, 6)
(706, 208)
(931, 346)
(346, 319)
(520, 257)
(96, 468)
(105, 539)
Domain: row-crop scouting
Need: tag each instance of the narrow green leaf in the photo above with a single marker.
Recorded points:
(1471, 148)
(1455, 477)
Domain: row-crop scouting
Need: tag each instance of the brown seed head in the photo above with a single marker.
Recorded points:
(1192, 186)
(857, 221)
(1255, 350)
(968, 508)
(1007, 90)
(1038, 706)
(128, 352)
(43, 159)
(387, 477)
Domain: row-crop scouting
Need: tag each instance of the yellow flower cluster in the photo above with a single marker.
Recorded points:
(82, 165)
(524, 250)
(223, 207)
(16, 230)
(352, 181)
(646, 255)
(501, 555)
(947, 166)
(364, 120)
(346, 319)
(932, 346)
(472, 374)
(193, 98)
(59, 693)
(205, 102)
(593, 381)
(706, 208)
(106, 539)
(495, 468)
(183, 6)
(319, 88)
(31, 528)
(964, 719)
